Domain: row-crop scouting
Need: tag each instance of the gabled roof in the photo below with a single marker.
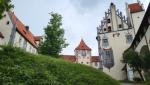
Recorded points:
(135, 7)
(21, 28)
(70, 58)
(1, 35)
(82, 46)
(95, 59)
(37, 38)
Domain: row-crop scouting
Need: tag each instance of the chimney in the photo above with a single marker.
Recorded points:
(27, 28)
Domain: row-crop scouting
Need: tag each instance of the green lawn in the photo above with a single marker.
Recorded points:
(21, 68)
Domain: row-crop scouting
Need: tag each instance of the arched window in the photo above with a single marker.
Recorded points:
(108, 58)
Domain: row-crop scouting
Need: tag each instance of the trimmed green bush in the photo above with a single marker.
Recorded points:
(20, 68)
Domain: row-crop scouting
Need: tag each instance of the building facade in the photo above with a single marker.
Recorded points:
(14, 32)
(83, 56)
(115, 35)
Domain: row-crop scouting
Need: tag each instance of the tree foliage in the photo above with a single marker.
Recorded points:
(134, 60)
(54, 40)
(5, 5)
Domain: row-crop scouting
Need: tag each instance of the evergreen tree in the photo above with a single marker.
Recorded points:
(54, 40)
(5, 5)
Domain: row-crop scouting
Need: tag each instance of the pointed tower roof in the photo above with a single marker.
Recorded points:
(82, 46)
(135, 7)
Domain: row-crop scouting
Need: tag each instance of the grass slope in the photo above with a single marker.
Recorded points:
(21, 68)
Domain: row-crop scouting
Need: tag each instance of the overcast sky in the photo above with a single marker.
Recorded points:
(80, 17)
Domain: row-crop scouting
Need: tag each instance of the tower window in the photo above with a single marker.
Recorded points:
(104, 29)
(83, 53)
(129, 38)
(108, 20)
(105, 42)
(120, 26)
(109, 29)
(7, 23)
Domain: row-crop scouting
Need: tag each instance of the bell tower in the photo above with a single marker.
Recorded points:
(83, 53)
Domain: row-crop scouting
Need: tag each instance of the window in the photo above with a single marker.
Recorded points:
(83, 53)
(96, 64)
(7, 23)
(104, 29)
(24, 44)
(20, 39)
(105, 42)
(4, 15)
(108, 59)
(87, 62)
(108, 20)
(81, 62)
(109, 29)
(120, 25)
(129, 38)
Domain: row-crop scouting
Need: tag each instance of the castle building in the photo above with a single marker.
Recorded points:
(14, 32)
(83, 56)
(115, 35)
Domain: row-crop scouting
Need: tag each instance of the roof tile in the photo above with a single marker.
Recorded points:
(82, 46)
(135, 7)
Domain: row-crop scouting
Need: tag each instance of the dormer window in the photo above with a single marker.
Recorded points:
(108, 20)
(129, 38)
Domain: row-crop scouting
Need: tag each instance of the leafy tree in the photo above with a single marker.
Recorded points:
(134, 60)
(5, 5)
(54, 40)
(145, 54)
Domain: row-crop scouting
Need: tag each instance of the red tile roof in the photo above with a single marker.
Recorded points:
(37, 38)
(21, 28)
(135, 7)
(95, 59)
(82, 46)
(70, 58)
(1, 35)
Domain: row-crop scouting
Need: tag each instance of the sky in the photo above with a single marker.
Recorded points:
(80, 18)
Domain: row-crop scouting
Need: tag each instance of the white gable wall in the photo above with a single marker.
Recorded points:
(5, 29)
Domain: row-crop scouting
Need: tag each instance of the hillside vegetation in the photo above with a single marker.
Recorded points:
(20, 68)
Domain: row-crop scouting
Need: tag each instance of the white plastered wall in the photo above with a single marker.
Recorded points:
(5, 28)
(118, 45)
